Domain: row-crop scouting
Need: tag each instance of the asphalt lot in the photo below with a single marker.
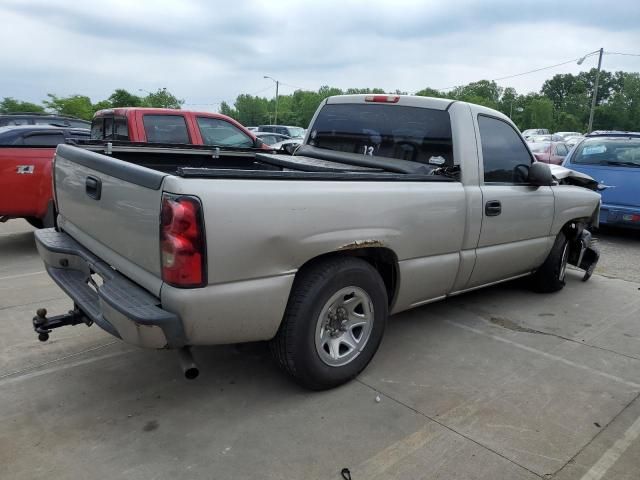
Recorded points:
(501, 383)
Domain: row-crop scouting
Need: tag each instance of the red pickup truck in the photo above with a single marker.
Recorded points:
(25, 168)
(163, 125)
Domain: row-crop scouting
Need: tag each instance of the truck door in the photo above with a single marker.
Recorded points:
(516, 217)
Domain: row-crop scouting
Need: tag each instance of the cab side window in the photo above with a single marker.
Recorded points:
(44, 139)
(165, 128)
(505, 156)
(561, 150)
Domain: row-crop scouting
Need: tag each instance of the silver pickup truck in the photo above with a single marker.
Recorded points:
(392, 202)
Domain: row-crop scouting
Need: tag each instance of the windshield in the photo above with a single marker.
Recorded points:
(614, 152)
(393, 131)
(296, 132)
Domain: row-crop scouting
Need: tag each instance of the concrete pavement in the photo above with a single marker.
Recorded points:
(501, 383)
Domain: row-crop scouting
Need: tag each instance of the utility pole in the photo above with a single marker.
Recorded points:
(275, 119)
(595, 92)
(278, 84)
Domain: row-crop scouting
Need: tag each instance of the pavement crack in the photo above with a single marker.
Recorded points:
(600, 432)
(33, 303)
(451, 429)
(511, 325)
(66, 357)
(508, 324)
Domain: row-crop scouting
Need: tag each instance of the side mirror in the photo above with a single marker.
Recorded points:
(540, 175)
(258, 143)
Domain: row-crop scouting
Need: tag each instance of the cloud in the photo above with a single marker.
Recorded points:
(207, 52)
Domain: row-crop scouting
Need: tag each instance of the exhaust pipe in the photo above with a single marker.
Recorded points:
(187, 363)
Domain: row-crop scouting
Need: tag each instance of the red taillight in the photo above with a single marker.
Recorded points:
(182, 246)
(382, 98)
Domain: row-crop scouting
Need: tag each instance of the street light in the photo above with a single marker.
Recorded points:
(595, 88)
(275, 118)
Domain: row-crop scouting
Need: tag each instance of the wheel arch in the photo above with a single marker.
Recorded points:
(383, 259)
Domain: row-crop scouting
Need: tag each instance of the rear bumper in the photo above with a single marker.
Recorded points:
(620, 216)
(118, 306)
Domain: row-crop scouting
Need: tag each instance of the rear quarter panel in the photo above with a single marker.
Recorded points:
(260, 232)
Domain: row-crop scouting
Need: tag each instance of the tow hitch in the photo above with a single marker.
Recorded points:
(43, 325)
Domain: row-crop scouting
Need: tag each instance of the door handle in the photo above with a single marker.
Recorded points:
(492, 208)
(93, 187)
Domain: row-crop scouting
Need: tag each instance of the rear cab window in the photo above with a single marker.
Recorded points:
(97, 128)
(108, 127)
(166, 128)
(392, 131)
(219, 132)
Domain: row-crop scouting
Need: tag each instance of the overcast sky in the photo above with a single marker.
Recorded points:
(209, 51)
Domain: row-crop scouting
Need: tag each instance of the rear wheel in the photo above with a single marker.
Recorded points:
(333, 324)
(550, 277)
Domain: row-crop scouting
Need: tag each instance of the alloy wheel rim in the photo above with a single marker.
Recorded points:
(564, 260)
(344, 326)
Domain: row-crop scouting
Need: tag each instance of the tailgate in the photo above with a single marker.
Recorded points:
(112, 208)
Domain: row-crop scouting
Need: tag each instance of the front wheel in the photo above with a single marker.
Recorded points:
(550, 277)
(333, 324)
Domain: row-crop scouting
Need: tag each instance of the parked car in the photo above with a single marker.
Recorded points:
(164, 125)
(566, 135)
(549, 152)
(572, 141)
(271, 138)
(26, 152)
(614, 161)
(288, 145)
(14, 119)
(613, 133)
(535, 131)
(379, 211)
(289, 131)
(545, 138)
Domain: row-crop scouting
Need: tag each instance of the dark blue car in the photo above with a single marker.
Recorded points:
(614, 161)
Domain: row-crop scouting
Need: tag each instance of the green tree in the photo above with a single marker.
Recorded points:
(75, 105)
(252, 110)
(162, 98)
(227, 110)
(559, 87)
(102, 105)
(483, 92)
(122, 98)
(11, 105)
(431, 92)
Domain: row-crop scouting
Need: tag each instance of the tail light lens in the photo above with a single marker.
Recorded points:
(182, 242)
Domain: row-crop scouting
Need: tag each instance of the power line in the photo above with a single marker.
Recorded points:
(527, 72)
(293, 86)
(621, 53)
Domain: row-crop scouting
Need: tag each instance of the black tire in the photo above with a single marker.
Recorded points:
(35, 222)
(294, 346)
(550, 277)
